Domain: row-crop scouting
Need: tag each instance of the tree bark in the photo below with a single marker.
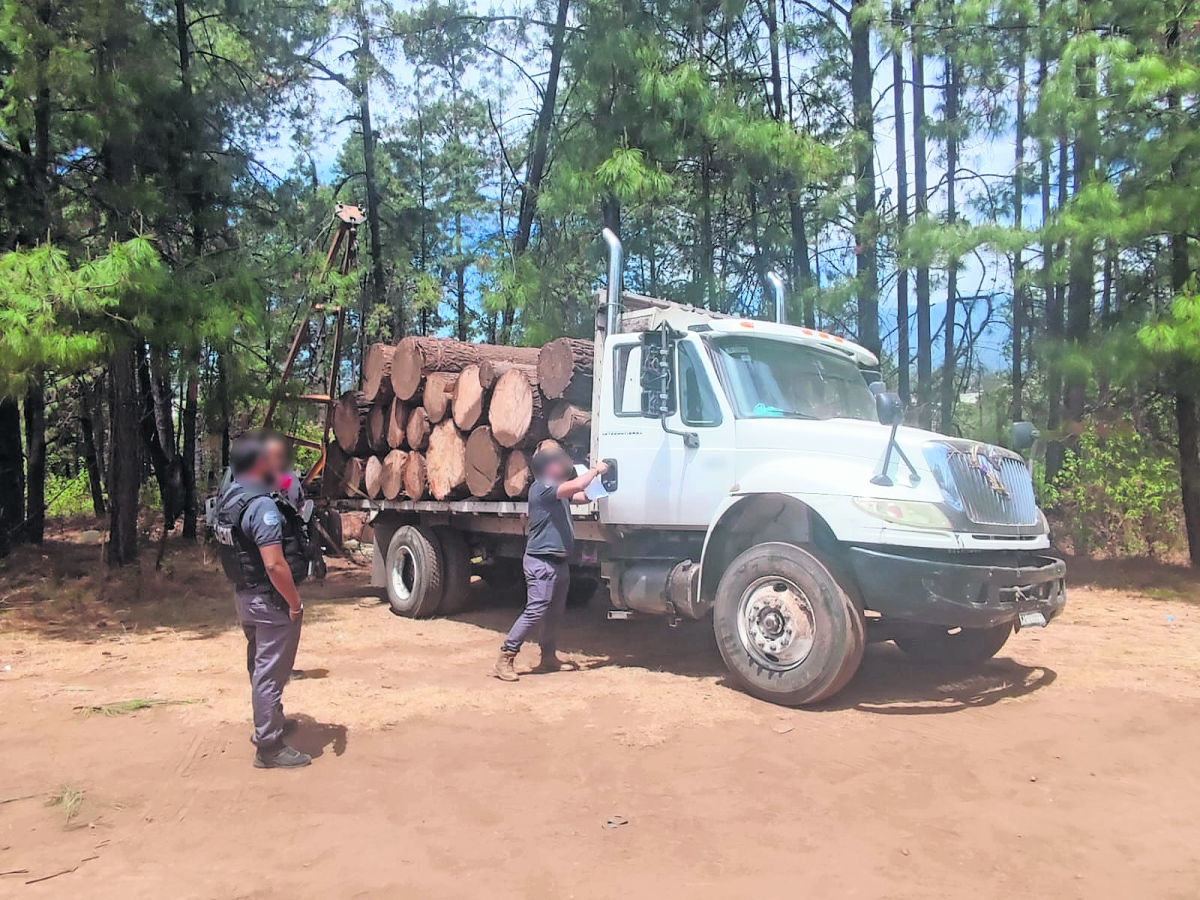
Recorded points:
(378, 422)
(949, 383)
(191, 414)
(35, 458)
(1018, 310)
(903, 352)
(125, 474)
(865, 219)
(490, 371)
(363, 89)
(516, 414)
(377, 372)
(12, 474)
(349, 423)
(416, 357)
(88, 447)
(1081, 288)
(921, 198)
(569, 423)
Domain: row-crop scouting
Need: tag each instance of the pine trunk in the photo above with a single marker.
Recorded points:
(517, 475)
(12, 474)
(569, 423)
(564, 370)
(517, 414)
(490, 371)
(416, 357)
(88, 448)
(416, 479)
(35, 460)
(397, 424)
(439, 391)
(921, 203)
(377, 426)
(865, 224)
(343, 475)
(349, 423)
(373, 478)
(393, 474)
(377, 372)
(418, 429)
(447, 462)
(125, 474)
(485, 465)
(470, 399)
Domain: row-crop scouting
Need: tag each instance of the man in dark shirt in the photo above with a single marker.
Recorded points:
(257, 533)
(548, 546)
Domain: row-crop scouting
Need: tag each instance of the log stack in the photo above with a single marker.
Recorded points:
(447, 420)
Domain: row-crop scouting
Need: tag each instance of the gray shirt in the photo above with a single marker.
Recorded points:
(551, 531)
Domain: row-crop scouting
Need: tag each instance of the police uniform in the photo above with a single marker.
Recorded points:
(248, 518)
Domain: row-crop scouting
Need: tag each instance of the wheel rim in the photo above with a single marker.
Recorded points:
(404, 574)
(776, 624)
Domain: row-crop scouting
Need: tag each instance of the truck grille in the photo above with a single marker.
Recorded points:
(971, 465)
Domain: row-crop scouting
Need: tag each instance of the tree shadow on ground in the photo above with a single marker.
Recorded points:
(63, 590)
(1150, 577)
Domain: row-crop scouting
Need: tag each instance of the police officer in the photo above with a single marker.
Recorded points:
(263, 551)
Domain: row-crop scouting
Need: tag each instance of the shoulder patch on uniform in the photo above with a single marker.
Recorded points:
(271, 518)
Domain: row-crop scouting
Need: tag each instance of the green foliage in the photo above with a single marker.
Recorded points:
(68, 496)
(1119, 492)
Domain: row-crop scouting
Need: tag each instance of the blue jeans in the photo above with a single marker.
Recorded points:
(547, 580)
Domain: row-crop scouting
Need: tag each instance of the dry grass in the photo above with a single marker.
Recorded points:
(124, 707)
(68, 800)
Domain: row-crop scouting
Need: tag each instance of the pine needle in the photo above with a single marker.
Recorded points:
(123, 707)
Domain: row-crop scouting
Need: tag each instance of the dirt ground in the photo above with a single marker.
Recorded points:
(1063, 769)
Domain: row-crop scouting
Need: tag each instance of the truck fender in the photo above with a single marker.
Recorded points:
(743, 520)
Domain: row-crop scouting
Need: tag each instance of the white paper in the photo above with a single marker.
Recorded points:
(595, 490)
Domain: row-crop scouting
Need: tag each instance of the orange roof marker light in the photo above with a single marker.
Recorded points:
(746, 324)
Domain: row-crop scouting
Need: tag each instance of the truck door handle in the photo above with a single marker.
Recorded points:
(609, 478)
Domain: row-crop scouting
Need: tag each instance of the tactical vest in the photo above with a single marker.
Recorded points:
(240, 556)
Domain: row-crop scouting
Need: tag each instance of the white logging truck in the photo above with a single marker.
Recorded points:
(759, 478)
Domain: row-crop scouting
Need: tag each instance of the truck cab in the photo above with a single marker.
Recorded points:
(758, 478)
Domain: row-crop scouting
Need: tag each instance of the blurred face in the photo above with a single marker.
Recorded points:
(558, 469)
(276, 456)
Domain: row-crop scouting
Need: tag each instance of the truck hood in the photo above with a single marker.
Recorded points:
(853, 438)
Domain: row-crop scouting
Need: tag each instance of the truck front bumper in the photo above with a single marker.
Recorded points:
(960, 590)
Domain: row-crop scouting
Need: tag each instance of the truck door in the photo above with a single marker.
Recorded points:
(661, 480)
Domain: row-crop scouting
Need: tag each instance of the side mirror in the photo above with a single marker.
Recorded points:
(1022, 436)
(658, 373)
(888, 407)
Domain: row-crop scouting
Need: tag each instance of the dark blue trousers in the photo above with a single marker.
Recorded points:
(547, 580)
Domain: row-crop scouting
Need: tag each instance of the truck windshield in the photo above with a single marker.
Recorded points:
(766, 378)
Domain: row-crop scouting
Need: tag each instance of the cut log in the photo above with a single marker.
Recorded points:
(470, 399)
(490, 371)
(377, 372)
(567, 422)
(416, 357)
(416, 482)
(418, 428)
(343, 474)
(439, 391)
(349, 423)
(377, 426)
(517, 475)
(565, 370)
(392, 485)
(447, 462)
(485, 465)
(397, 423)
(516, 412)
(373, 478)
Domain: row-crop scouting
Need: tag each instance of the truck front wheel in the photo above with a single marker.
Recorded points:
(788, 633)
(414, 572)
(955, 647)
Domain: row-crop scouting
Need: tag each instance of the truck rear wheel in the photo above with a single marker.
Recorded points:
(456, 570)
(959, 647)
(788, 633)
(414, 572)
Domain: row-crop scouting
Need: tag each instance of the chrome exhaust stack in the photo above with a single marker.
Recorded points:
(616, 266)
(780, 305)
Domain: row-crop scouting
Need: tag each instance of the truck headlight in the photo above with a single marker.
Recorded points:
(909, 513)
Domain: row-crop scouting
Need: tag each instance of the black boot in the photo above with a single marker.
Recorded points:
(281, 757)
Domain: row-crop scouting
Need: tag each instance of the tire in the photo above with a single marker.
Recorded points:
(414, 572)
(967, 646)
(787, 631)
(456, 570)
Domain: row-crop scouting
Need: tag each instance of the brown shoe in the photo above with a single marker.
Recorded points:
(550, 662)
(506, 669)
